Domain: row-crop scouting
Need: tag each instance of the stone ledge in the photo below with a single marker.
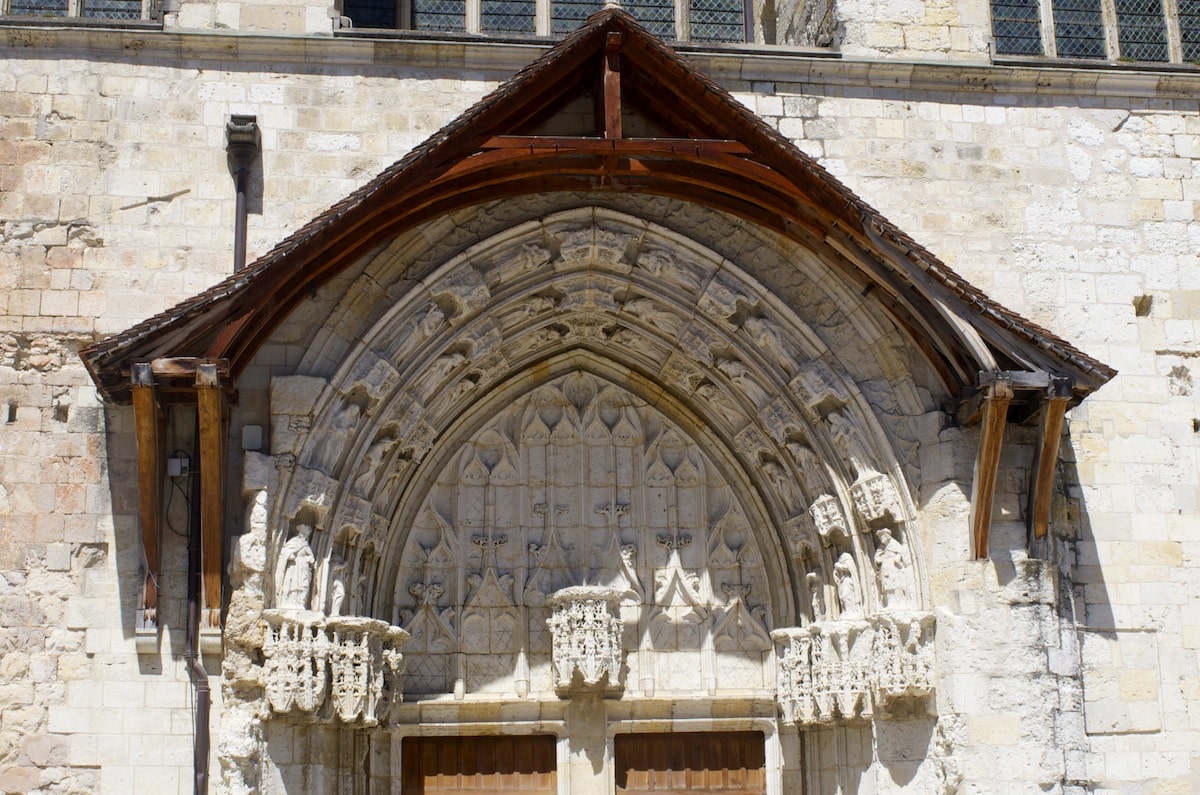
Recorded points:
(800, 67)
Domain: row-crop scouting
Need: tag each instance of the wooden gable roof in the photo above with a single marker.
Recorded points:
(707, 149)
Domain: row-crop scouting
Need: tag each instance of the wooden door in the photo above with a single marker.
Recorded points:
(731, 763)
(476, 765)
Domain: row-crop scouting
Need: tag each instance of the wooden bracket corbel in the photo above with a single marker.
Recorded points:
(997, 394)
(211, 410)
(1045, 457)
(148, 419)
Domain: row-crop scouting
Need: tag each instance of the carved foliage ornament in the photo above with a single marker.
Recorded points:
(348, 667)
(852, 670)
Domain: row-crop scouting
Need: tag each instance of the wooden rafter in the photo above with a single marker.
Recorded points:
(148, 421)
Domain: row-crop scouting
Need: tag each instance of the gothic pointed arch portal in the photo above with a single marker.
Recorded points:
(591, 412)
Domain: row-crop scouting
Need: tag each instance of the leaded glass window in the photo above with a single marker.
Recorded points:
(1126, 30)
(1142, 30)
(439, 14)
(717, 20)
(39, 8)
(371, 13)
(507, 16)
(112, 9)
(657, 16)
(1079, 29)
(566, 15)
(1189, 29)
(1017, 26)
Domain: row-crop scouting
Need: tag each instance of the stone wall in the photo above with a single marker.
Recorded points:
(1079, 211)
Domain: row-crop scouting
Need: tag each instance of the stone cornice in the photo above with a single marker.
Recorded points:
(498, 58)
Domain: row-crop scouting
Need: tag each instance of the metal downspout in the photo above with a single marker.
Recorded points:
(242, 147)
(191, 653)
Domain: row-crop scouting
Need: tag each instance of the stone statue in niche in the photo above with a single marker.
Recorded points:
(441, 368)
(341, 428)
(724, 407)
(371, 465)
(661, 263)
(895, 576)
(846, 579)
(294, 571)
(530, 308)
(739, 374)
(337, 586)
(531, 256)
(849, 438)
(764, 334)
(816, 593)
(649, 311)
(429, 323)
(785, 486)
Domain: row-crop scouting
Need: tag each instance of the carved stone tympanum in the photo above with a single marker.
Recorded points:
(350, 663)
(587, 634)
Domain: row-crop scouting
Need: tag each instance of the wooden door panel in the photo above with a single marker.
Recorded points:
(685, 763)
(476, 765)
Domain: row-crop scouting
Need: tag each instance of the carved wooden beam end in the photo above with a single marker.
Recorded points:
(148, 419)
(211, 408)
(1045, 462)
(997, 395)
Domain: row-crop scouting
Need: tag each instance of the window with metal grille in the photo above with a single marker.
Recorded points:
(1138, 31)
(705, 20)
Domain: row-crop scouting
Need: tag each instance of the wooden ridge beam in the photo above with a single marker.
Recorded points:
(148, 418)
(211, 411)
(997, 396)
(1045, 458)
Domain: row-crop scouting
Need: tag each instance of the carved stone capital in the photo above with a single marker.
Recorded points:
(827, 516)
(875, 498)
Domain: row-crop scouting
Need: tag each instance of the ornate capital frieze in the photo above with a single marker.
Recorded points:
(343, 667)
(835, 671)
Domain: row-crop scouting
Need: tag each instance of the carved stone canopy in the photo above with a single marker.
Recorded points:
(586, 629)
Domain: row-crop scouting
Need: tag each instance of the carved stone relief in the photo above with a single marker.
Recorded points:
(581, 484)
(578, 483)
(348, 668)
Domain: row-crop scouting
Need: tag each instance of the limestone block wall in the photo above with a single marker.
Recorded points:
(1078, 210)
